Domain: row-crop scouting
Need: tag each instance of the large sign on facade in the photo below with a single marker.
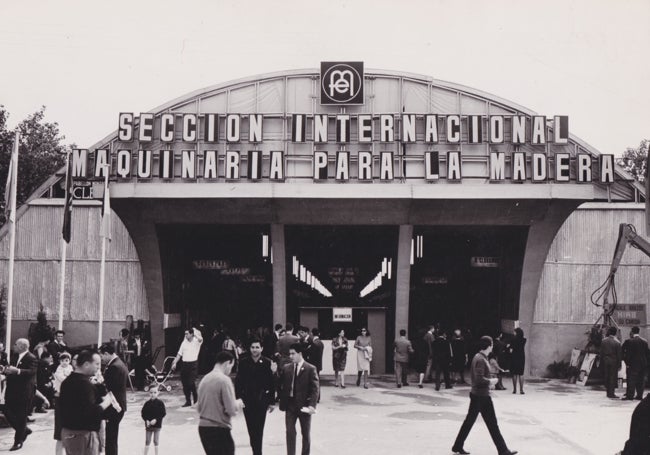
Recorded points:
(321, 139)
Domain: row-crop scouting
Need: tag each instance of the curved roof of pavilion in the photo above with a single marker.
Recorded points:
(288, 92)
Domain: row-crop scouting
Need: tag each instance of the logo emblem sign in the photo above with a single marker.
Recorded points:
(341, 83)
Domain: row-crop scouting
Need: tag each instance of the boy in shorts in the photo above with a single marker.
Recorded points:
(152, 413)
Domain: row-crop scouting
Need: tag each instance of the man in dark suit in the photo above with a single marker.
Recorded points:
(298, 390)
(402, 349)
(21, 383)
(315, 352)
(611, 356)
(57, 346)
(141, 353)
(255, 385)
(115, 379)
(442, 359)
(284, 343)
(635, 354)
(639, 441)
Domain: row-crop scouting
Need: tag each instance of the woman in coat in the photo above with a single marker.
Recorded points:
(517, 360)
(363, 345)
(339, 357)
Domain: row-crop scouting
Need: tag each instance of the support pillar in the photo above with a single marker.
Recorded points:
(403, 277)
(279, 274)
(540, 238)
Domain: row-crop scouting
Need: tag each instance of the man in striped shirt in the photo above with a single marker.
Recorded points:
(189, 352)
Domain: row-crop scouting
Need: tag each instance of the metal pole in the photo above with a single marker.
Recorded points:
(64, 252)
(102, 269)
(12, 243)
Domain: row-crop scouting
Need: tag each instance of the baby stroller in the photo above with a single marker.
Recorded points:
(157, 379)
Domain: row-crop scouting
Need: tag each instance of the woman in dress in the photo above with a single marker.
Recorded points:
(339, 357)
(458, 357)
(363, 345)
(517, 360)
(421, 356)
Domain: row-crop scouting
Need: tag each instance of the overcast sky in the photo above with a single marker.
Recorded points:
(87, 61)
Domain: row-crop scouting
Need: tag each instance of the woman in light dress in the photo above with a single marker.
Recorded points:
(363, 344)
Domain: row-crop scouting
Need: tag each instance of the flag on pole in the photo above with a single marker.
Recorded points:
(12, 175)
(67, 210)
(105, 231)
(647, 194)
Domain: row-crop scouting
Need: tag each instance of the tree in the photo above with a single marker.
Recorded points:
(41, 153)
(635, 160)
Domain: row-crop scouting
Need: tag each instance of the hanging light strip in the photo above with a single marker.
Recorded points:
(265, 245)
(303, 274)
(377, 281)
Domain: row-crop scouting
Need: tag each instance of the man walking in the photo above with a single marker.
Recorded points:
(254, 384)
(189, 352)
(481, 402)
(611, 355)
(635, 354)
(77, 406)
(217, 405)
(299, 390)
(21, 382)
(116, 376)
(402, 349)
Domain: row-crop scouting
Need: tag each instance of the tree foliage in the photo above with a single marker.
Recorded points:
(41, 152)
(635, 160)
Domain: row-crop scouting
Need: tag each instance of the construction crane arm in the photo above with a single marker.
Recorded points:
(607, 291)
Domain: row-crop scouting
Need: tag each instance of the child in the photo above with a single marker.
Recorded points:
(152, 413)
(496, 369)
(62, 371)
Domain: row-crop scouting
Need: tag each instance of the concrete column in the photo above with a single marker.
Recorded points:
(145, 239)
(403, 277)
(540, 238)
(279, 274)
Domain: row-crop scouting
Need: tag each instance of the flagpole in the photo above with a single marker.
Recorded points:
(12, 240)
(102, 272)
(64, 248)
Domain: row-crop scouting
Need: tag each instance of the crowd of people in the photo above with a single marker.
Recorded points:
(438, 356)
(284, 369)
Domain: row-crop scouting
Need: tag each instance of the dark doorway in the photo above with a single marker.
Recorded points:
(345, 259)
(217, 275)
(467, 276)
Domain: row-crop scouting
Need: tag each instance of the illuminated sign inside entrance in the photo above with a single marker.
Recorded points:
(342, 314)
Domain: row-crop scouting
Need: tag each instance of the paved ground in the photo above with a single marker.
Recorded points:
(551, 418)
